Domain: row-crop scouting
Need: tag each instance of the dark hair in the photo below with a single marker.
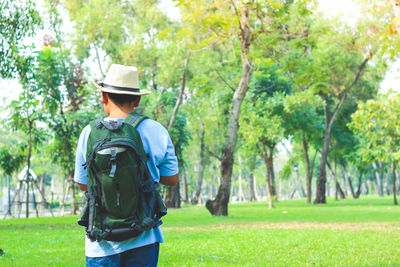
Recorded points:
(121, 99)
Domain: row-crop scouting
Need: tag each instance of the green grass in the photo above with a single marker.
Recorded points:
(362, 232)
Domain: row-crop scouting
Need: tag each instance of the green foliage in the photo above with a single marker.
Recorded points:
(18, 20)
(159, 107)
(383, 22)
(12, 158)
(268, 80)
(99, 25)
(376, 125)
(263, 116)
(263, 121)
(304, 119)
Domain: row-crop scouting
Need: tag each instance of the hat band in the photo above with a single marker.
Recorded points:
(136, 90)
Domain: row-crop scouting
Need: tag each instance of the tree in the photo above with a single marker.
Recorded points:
(244, 22)
(246, 34)
(333, 60)
(25, 116)
(18, 20)
(263, 128)
(305, 123)
(10, 162)
(386, 24)
(376, 125)
(138, 33)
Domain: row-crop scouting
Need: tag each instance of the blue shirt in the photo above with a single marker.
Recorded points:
(162, 162)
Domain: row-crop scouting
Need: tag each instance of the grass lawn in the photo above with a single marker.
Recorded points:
(362, 232)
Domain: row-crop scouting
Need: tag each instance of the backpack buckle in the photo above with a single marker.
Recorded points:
(113, 161)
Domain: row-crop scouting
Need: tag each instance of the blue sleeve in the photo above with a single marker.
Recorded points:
(169, 164)
(80, 157)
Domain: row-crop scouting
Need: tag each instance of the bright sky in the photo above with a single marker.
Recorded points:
(347, 9)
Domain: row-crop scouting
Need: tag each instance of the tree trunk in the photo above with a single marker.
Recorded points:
(9, 195)
(219, 206)
(348, 180)
(252, 182)
(379, 176)
(18, 197)
(308, 171)
(232, 192)
(299, 186)
(64, 196)
(241, 197)
(34, 199)
(252, 187)
(185, 184)
(387, 184)
(336, 180)
(30, 123)
(359, 186)
(153, 75)
(196, 198)
(341, 194)
(320, 196)
(340, 191)
(394, 184)
(173, 193)
(268, 154)
(397, 184)
(41, 195)
(327, 187)
(174, 198)
(73, 193)
(321, 183)
(273, 182)
(180, 96)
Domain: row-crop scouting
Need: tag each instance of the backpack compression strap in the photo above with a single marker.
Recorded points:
(135, 119)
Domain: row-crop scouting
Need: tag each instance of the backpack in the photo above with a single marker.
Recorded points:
(122, 200)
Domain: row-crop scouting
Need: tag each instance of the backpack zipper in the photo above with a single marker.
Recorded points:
(116, 186)
(110, 138)
(118, 199)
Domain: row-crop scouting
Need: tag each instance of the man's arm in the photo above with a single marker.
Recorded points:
(169, 180)
(82, 187)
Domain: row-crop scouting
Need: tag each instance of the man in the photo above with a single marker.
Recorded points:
(120, 95)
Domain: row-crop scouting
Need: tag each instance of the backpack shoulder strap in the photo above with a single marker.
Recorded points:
(93, 124)
(135, 119)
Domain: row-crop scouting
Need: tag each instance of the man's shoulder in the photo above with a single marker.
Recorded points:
(85, 131)
(147, 127)
(149, 124)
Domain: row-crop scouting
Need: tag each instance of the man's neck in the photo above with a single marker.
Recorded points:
(119, 113)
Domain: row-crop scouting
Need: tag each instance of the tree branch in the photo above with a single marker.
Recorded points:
(359, 70)
(213, 154)
(237, 15)
(225, 81)
(98, 62)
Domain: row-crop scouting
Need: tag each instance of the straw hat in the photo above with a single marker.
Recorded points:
(121, 79)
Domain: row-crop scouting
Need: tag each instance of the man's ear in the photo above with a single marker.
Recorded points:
(104, 97)
(137, 102)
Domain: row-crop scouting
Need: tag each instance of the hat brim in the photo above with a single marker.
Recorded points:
(121, 92)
